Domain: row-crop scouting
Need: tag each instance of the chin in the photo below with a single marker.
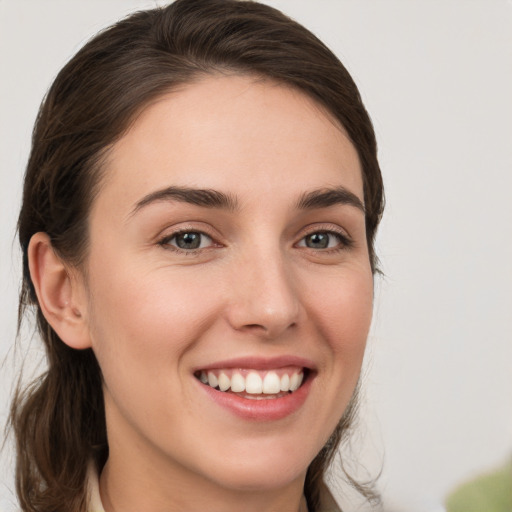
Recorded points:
(268, 478)
(267, 469)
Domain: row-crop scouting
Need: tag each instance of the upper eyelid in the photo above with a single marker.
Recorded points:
(172, 231)
(346, 241)
(326, 227)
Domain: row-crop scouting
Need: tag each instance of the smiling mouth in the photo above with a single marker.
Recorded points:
(254, 384)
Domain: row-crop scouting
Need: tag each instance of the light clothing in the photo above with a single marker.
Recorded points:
(94, 492)
(327, 501)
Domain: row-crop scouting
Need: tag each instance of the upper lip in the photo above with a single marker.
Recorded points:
(260, 363)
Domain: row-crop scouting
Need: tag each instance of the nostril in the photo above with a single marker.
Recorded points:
(256, 326)
(269, 331)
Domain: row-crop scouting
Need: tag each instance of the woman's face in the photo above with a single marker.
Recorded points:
(228, 242)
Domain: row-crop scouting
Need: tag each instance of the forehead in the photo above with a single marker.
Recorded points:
(232, 133)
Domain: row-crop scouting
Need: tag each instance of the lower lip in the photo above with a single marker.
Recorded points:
(270, 409)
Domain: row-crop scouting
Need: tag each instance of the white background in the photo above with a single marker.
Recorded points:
(436, 77)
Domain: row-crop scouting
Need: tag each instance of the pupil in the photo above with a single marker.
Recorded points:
(318, 241)
(188, 240)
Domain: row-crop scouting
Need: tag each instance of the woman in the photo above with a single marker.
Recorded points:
(197, 227)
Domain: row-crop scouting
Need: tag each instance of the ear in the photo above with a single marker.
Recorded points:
(60, 292)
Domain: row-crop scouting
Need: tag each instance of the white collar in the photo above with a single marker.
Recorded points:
(94, 490)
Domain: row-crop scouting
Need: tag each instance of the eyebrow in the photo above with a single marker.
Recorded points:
(325, 197)
(207, 198)
(210, 198)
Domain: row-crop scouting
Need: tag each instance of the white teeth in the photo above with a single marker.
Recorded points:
(271, 383)
(212, 380)
(224, 382)
(237, 383)
(295, 381)
(253, 384)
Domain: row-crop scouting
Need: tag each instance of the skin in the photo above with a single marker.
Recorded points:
(153, 314)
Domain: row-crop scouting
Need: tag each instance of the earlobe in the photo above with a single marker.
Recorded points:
(59, 292)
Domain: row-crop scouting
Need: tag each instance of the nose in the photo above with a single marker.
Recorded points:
(264, 299)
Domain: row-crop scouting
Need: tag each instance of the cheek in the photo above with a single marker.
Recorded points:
(144, 328)
(143, 322)
(343, 313)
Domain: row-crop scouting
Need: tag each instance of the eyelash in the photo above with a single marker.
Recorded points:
(344, 241)
(165, 242)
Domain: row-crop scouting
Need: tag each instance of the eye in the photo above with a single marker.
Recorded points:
(323, 240)
(188, 240)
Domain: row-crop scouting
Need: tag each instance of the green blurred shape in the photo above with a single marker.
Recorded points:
(488, 493)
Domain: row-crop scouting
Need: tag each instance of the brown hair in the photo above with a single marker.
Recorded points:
(59, 421)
